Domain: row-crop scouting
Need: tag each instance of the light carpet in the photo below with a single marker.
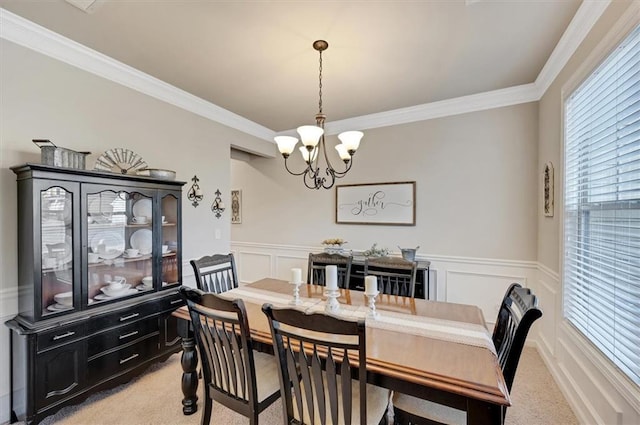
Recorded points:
(155, 397)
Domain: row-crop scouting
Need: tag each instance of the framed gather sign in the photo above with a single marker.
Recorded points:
(376, 203)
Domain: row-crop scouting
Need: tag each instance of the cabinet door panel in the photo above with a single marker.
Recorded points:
(170, 335)
(60, 373)
(171, 263)
(59, 239)
(120, 242)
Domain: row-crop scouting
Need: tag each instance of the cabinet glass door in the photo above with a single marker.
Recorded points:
(170, 237)
(56, 229)
(119, 245)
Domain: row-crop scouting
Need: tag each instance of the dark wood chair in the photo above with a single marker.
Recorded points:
(396, 276)
(518, 311)
(234, 374)
(318, 263)
(318, 387)
(215, 273)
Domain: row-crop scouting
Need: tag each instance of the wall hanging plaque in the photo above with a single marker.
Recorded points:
(376, 203)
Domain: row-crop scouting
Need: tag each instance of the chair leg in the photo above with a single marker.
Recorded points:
(253, 418)
(207, 407)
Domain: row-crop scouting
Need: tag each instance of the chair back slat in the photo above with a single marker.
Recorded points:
(215, 273)
(396, 276)
(317, 266)
(315, 352)
(346, 389)
(518, 311)
(222, 336)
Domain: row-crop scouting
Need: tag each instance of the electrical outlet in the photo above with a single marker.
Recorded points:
(218, 234)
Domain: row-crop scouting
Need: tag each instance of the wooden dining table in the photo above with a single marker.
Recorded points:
(409, 358)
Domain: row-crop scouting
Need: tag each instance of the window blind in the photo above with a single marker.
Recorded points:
(602, 207)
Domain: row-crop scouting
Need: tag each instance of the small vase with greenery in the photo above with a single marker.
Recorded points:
(374, 251)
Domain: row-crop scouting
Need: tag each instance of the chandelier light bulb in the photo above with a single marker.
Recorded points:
(343, 152)
(310, 134)
(286, 144)
(306, 153)
(351, 139)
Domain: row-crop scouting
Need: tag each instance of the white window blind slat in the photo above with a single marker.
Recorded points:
(601, 267)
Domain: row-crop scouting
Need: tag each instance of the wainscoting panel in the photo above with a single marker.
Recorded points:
(9, 308)
(595, 389)
(483, 289)
(253, 265)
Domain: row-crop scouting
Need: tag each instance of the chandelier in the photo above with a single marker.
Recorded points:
(314, 147)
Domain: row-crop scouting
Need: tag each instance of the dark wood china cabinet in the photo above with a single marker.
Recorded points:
(99, 266)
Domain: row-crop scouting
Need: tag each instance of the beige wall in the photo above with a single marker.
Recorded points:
(550, 129)
(43, 98)
(597, 390)
(476, 184)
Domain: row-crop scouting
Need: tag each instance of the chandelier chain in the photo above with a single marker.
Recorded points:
(320, 85)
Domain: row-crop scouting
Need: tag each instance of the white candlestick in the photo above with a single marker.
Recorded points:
(296, 275)
(331, 277)
(370, 285)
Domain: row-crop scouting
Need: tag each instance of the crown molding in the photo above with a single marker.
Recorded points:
(35, 37)
(444, 108)
(30, 35)
(584, 19)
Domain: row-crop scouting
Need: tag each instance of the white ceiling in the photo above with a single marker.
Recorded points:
(255, 58)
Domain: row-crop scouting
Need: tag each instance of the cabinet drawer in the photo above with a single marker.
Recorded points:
(122, 317)
(172, 302)
(113, 363)
(61, 335)
(121, 335)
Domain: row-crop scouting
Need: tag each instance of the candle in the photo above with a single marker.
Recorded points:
(296, 275)
(331, 276)
(370, 285)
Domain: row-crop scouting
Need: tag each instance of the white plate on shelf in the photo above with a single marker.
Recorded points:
(143, 208)
(59, 307)
(113, 244)
(142, 240)
(125, 255)
(144, 287)
(104, 297)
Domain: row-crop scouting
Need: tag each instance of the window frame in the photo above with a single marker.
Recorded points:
(628, 389)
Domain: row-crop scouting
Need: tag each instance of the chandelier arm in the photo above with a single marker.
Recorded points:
(340, 174)
(332, 181)
(305, 171)
(310, 178)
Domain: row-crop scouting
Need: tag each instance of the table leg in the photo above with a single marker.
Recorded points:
(479, 412)
(189, 363)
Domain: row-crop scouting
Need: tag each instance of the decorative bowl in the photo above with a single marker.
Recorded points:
(158, 173)
(64, 298)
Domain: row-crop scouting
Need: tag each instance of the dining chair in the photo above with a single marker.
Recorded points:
(396, 276)
(323, 376)
(319, 262)
(234, 374)
(518, 311)
(215, 273)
